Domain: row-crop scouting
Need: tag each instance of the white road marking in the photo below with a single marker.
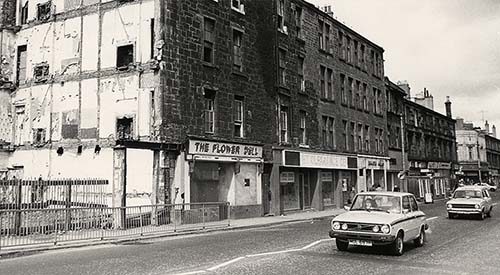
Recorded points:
(225, 263)
(252, 256)
(433, 218)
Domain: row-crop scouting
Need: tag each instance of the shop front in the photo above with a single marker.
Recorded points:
(372, 172)
(224, 172)
(429, 178)
(312, 180)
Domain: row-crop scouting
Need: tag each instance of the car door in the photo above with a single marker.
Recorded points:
(418, 215)
(409, 219)
(487, 199)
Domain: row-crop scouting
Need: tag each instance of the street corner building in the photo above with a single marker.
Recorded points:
(271, 106)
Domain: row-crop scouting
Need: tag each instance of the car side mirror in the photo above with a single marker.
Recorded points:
(406, 211)
(347, 207)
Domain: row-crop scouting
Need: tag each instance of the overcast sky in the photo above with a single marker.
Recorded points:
(451, 47)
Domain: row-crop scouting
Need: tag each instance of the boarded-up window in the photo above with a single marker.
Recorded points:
(43, 11)
(41, 72)
(124, 128)
(124, 56)
(69, 124)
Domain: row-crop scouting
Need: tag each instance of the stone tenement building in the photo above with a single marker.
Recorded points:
(269, 105)
(478, 152)
(431, 147)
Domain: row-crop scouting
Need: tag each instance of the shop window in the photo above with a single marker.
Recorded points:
(328, 188)
(43, 11)
(124, 128)
(24, 13)
(41, 72)
(237, 50)
(124, 56)
(208, 40)
(209, 111)
(21, 64)
(238, 116)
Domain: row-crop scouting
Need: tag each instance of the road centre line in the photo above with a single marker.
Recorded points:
(213, 268)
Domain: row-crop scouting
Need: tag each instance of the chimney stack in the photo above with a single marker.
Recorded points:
(487, 127)
(494, 131)
(447, 105)
(328, 10)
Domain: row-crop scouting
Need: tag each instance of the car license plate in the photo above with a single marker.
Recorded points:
(360, 242)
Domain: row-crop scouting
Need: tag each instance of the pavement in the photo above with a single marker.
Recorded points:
(235, 224)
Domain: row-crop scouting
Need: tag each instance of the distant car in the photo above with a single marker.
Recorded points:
(491, 188)
(470, 200)
(380, 219)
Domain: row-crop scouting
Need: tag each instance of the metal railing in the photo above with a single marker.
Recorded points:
(27, 227)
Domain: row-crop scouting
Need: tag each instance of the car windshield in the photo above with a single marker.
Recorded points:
(385, 203)
(467, 194)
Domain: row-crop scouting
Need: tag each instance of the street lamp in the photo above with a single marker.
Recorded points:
(478, 161)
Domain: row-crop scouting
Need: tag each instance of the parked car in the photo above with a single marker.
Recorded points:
(491, 188)
(380, 218)
(470, 200)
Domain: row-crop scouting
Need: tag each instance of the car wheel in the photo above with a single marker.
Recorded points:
(341, 246)
(397, 247)
(481, 215)
(420, 240)
(489, 212)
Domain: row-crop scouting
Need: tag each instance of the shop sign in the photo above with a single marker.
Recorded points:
(372, 163)
(326, 176)
(439, 165)
(286, 177)
(212, 148)
(318, 160)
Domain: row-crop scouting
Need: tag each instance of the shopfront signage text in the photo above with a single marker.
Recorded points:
(198, 147)
(439, 165)
(317, 160)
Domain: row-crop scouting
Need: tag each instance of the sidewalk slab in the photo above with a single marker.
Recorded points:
(238, 224)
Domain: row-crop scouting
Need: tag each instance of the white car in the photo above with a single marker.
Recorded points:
(470, 200)
(380, 218)
(491, 188)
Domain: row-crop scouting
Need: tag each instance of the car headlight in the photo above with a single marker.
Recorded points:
(336, 226)
(376, 228)
(385, 229)
(344, 226)
(448, 205)
(476, 206)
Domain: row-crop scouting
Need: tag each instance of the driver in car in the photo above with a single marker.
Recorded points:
(370, 204)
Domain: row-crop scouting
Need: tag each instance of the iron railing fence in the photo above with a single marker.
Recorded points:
(27, 227)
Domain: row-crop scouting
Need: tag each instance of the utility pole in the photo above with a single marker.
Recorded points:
(403, 153)
(478, 160)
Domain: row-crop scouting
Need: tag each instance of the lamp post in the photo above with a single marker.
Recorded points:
(478, 160)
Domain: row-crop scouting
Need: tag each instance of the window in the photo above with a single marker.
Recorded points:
(281, 15)
(124, 56)
(376, 141)
(238, 6)
(237, 55)
(303, 133)
(283, 125)
(414, 204)
(375, 101)
(124, 128)
(365, 99)
(359, 102)
(43, 11)
(344, 134)
(322, 73)
(360, 137)
(342, 45)
(470, 153)
(300, 73)
(328, 131)
(379, 102)
(406, 203)
(348, 50)
(20, 121)
(24, 13)
(41, 72)
(38, 136)
(367, 138)
(343, 93)
(362, 57)
(208, 39)
(323, 35)
(282, 67)
(152, 34)
(352, 139)
(152, 112)
(350, 93)
(209, 111)
(21, 64)
(381, 141)
(356, 56)
(238, 116)
(329, 79)
(298, 22)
